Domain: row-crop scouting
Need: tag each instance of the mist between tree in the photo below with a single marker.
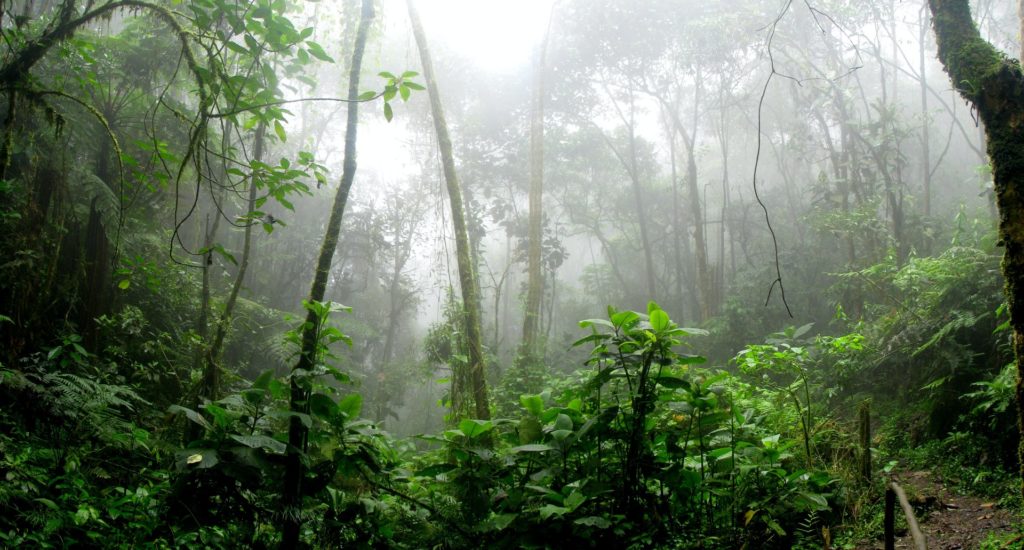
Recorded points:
(491, 274)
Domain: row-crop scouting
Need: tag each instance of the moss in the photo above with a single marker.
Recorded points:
(979, 61)
(865, 440)
(994, 84)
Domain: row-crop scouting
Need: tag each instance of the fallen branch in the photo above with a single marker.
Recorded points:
(920, 543)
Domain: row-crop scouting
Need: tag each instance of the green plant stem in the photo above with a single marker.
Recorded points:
(298, 399)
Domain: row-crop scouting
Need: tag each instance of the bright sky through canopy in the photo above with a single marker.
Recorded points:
(499, 35)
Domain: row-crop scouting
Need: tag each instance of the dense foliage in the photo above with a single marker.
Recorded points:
(167, 381)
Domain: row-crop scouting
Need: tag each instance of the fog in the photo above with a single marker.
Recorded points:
(740, 163)
(508, 274)
(857, 157)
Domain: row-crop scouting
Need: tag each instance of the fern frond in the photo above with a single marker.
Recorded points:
(95, 406)
(959, 320)
(281, 351)
(87, 187)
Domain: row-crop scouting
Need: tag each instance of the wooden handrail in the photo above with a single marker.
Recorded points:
(893, 491)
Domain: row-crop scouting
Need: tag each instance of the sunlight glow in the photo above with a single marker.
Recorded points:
(499, 35)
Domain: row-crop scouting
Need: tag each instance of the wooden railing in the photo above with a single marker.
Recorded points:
(893, 491)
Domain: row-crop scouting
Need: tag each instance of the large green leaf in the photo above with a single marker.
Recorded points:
(530, 429)
(473, 428)
(531, 448)
(196, 458)
(350, 405)
(435, 470)
(191, 415)
(322, 406)
(260, 442)
(659, 320)
(532, 403)
(549, 510)
(594, 521)
(673, 382)
(263, 380)
(317, 51)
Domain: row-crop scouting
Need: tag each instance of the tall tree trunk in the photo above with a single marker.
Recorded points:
(992, 82)
(926, 157)
(211, 374)
(96, 262)
(467, 273)
(202, 326)
(638, 197)
(723, 140)
(299, 398)
(404, 219)
(629, 163)
(700, 239)
(705, 306)
(535, 281)
(677, 225)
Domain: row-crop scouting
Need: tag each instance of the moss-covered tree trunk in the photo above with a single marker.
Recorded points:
(535, 276)
(994, 84)
(299, 398)
(467, 272)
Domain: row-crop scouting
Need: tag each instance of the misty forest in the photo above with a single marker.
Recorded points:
(511, 274)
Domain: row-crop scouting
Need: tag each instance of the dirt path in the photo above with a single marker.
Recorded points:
(950, 521)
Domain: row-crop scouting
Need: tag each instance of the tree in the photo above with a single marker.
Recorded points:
(535, 284)
(210, 352)
(298, 401)
(467, 271)
(994, 84)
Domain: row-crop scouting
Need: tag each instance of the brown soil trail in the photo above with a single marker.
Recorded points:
(949, 520)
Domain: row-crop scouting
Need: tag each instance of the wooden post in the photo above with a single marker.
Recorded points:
(890, 518)
(865, 441)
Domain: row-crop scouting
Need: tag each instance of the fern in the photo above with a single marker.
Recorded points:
(807, 525)
(97, 407)
(87, 187)
(960, 320)
(94, 408)
(280, 350)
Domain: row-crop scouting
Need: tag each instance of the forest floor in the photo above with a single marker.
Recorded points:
(949, 520)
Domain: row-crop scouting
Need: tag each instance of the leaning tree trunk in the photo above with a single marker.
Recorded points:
(467, 275)
(994, 84)
(299, 398)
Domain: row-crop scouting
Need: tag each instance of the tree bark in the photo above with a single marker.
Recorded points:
(628, 159)
(298, 399)
(926, 157)
(406, 213)
(638, 198)
(677, 225)
(705, 306)
(211, 374)
(467, 273)
(994, 84)
(1020, 38)
(535, 276)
